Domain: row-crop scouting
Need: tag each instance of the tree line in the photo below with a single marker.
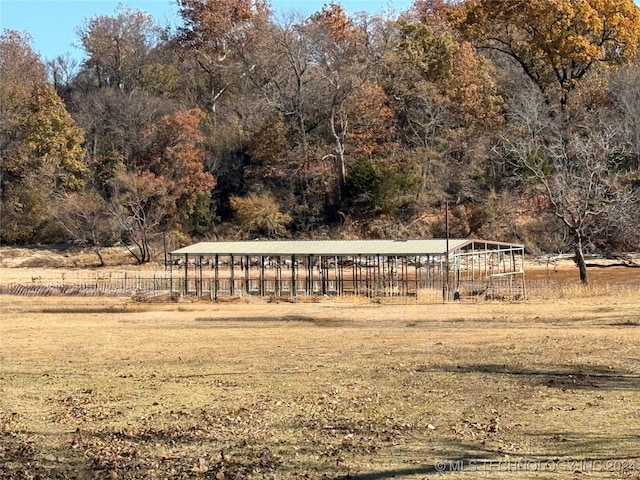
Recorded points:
(522, 116)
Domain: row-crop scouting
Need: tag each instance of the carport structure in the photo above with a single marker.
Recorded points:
(452, 269)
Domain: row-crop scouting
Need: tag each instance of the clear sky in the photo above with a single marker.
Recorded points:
(52, 24)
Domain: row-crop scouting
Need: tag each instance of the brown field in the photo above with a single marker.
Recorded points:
(109, 388)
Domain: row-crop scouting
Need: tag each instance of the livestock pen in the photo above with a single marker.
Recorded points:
(447, 269)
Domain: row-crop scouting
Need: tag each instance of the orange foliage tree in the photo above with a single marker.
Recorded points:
(555, 42)
(444, 93)
(164, 181)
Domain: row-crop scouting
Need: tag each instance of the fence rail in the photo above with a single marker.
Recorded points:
(128, 285)
(116, 285)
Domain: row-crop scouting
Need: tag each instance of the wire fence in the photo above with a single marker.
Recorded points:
(160, 284)
(118, 284)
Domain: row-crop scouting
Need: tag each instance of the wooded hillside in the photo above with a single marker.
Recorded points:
(523, 115)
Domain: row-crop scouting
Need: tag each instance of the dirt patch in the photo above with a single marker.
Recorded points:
(602, 272)
(62, 256)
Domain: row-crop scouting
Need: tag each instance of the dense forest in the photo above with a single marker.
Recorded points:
(522, 116)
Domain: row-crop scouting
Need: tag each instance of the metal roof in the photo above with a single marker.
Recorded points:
(332, 247)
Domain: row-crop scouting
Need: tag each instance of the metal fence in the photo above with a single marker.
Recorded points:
(121, 284)
(160, 284)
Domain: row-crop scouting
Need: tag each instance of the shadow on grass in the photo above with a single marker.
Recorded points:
(578, 453)
(587, 446)
(395, 473)
(283, 318)
(317, 321)
(628, 323)
(581, 377)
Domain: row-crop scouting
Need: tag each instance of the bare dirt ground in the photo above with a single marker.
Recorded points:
(53, 262)
(110, 388)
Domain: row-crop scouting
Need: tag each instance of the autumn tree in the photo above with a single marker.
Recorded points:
(220, 46)
(259, 214)
(126, 82)
(212, 33)
(625, 93)
(444, 94)
(172, 151)
(84, 216)
(340, 60)
(114, 123)
(41, 145)
(163, 182)
(372, 128)
(61, 72)
(556, 43)
(139, 207)
(20, 72)
(287, 104)
(117, 47)
(47, 158)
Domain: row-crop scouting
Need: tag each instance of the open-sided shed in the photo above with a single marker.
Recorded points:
(455, 267)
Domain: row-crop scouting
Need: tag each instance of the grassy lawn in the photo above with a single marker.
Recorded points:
(108, 388)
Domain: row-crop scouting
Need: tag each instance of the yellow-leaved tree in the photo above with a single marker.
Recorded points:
(555, 42)
(41, 146)
(259, 214)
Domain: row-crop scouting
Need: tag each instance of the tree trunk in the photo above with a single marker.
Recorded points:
(339, 147)
(579, 259)
(97, 251)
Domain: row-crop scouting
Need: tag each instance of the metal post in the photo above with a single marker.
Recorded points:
(232, 280)
(171, 276)
(246, 274)
(215, 281)
(262, 276)
(277, 275)
(445, 284)
(186, 274)
(293, 275)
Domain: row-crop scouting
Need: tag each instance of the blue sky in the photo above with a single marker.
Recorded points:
(52, 24)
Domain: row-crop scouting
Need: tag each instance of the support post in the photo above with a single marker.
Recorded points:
(293, 275)
(186, 274)
(277, 276)
(215, 281)
(232, 280)
(246, 275)
(262, 289)
(171, 275)
(445, 284)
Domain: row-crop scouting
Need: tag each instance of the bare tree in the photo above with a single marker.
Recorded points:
(139, 210)
(625, 88)
(586, 188)
(61, 71)
(84, 216)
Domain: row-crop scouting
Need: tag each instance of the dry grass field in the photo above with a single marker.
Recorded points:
(107, 388)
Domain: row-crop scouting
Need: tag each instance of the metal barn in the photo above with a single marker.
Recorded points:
(447, 269)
